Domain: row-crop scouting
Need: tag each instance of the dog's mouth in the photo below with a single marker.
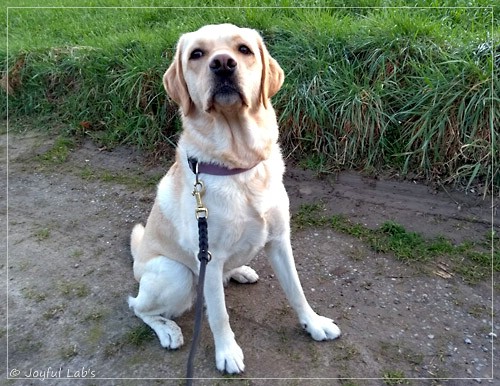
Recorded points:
(226, 93)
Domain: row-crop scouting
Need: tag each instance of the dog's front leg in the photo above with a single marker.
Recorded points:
(279, 251)
(228, 354)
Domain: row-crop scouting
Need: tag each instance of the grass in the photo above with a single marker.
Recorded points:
(59, 152)
(131, 180)
(137, 336)
(472, 260)
(33, 294)
(42, 234)
(68, 352)
(70, 289)
(54, 312)
(395, 377)
(367, 87)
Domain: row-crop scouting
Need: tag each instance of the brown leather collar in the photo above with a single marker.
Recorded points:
(213, 169)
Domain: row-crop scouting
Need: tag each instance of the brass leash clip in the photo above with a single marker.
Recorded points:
(198, 191)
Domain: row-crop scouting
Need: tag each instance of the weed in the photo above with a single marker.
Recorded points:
(71, 289)
(313, 356)
(395, 377)
(42, 234)
(94, 316)
(77, 253)
(32, 294)
(59, 152)
(346, 353)
(112, 348)
(139, 335)
(95, 334)
(69, 352)
(54, 312)
(283, 335)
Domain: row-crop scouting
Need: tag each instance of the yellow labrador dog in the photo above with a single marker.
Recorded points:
(222, 77)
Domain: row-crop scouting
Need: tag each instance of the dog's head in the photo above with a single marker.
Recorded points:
(222, 67)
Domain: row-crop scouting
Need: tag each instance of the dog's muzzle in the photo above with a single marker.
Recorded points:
(225, 91)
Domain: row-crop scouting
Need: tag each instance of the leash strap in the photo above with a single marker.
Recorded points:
(204, 256)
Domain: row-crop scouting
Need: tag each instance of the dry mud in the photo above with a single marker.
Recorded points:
(69, 272)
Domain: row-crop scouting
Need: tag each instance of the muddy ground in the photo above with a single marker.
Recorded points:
(69, 272)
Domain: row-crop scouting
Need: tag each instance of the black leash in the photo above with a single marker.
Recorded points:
(204, 256)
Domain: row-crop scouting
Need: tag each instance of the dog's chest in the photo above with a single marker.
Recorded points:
(241, 217)
(238, 226)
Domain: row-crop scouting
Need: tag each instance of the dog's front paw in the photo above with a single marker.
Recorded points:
(321, 328)
(229, 358)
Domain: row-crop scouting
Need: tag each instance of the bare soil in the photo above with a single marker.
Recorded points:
(69, 272)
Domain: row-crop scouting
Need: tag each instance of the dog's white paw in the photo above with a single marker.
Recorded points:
(229, 358)
(168, 332)
(244, 275)
(321, 328)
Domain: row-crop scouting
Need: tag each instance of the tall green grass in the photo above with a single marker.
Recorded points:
(368, 87)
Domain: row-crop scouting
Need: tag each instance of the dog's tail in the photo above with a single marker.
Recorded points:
(136, 239)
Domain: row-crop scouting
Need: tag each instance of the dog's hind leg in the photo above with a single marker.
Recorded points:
(166, 290)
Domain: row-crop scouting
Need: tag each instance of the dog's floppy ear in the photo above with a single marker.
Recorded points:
(272, 75)
(174, 83)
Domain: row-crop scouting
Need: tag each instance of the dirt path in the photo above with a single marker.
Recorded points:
(69, 273)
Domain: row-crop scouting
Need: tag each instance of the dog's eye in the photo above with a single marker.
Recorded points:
(244, 50)
(196, 54)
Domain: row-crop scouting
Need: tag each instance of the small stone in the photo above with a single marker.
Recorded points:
(430, 336)
(305, 190)
(467, 341)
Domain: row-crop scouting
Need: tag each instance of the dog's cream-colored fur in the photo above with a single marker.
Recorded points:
(227, 120)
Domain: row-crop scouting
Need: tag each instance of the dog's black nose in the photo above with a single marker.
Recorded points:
(223, 65)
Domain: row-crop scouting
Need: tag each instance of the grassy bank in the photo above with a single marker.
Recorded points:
(404, 89)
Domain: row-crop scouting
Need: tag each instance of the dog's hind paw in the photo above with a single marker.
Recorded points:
(244, 275)
(168, 332)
